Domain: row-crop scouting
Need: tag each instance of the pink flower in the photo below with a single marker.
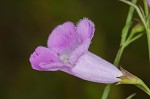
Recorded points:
(68, 51)
(148, 2)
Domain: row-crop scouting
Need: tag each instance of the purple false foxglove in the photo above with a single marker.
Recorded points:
(68, 51)
(148, 2)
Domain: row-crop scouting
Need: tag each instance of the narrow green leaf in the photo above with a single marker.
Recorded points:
(134, 38)
(131, 96)
(136, 29)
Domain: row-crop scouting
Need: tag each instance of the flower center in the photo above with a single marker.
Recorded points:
(64, 58)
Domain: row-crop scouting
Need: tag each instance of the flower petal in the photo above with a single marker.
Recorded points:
(79, 51)
(93, 68)
(85, 32)
(70, 41)
(63, 38)
(85, 29)
(45, 59)
(148, 2)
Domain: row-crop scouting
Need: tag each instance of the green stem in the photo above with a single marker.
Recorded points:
(116, 62)
(138, 11)
(119, 54)
(148, 27)
(143, 87)
(146, 8)
(148, 40)
(106, 92)
(143, 20)
(128, 23)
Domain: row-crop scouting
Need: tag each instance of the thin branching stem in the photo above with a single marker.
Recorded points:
(120, 52)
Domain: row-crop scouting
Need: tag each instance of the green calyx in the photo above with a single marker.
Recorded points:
(129, 78)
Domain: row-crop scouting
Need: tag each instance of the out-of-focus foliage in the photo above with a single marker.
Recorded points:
(26, 24)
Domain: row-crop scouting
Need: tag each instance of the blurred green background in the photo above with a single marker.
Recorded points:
(26, 24)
